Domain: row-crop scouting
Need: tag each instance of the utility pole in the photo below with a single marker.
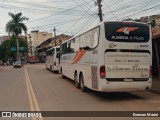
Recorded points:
(99, 9)
(55, 35)
(54, 32)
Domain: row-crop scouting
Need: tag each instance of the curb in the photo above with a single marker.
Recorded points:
(155, 91)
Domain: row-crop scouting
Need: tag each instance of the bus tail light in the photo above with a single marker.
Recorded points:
(54, 63)
(102, 72)
(150, 71)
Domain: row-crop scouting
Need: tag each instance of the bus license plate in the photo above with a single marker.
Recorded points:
(128, 80)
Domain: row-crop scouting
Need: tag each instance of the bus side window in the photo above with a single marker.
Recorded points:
(58, 55)
(92, 38)
(76, 47)
(65, 48)
(95, 37)
(72, 45)
(68, 47)
(83, 41)
(62, 49)
(52, 52)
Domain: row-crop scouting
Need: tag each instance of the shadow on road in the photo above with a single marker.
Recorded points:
(110, 96)
(116, 96)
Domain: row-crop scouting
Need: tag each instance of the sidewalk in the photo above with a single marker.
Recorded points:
(156, 85)
(5, 67)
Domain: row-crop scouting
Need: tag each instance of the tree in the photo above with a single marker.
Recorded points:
(16, 26)
(1, 52)
(128, 19)
(137, 20)
(8, 44)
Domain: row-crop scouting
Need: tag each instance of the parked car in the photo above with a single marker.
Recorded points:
(17, 64)
(33, 59)
(10, 61)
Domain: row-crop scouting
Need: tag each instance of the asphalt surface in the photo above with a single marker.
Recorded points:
(33, 88)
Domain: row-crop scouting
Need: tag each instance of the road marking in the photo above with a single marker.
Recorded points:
(6, 68)
(153, 101)
(28, 91)
(138, 100)
(32, 98)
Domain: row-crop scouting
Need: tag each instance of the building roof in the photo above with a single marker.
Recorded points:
(52, 39)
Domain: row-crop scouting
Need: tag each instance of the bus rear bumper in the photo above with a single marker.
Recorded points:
(125, 86)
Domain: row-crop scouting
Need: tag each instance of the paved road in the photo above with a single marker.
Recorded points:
(33, 88)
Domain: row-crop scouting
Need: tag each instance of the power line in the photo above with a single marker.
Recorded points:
(85, 6)
(142, 11)
(58, 23)
(86, 25)
(135, 9)
(110, 10)
(58, 12)
(79, 19)
(32, 4)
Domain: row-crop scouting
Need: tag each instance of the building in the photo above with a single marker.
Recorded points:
(155, 21)
(35, 38)
(48, 43)
(6, 37)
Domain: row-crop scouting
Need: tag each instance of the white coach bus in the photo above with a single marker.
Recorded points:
(52, 58)
(114, 56)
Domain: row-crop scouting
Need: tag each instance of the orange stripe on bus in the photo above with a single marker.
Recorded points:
(76, 55)
(79, 57)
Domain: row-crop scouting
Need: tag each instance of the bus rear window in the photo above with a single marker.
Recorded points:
(126, 32)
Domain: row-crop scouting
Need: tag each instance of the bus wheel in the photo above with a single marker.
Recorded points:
(76, 80)
(82, 86)
(51, 68)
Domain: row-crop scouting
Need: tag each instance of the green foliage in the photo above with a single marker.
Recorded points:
(153, 23)
(0, 52)
(6, 47)
(137, 20)
(16, 25)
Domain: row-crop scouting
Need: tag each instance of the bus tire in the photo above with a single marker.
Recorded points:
(82, 86)
(51, 68)
(76, 80)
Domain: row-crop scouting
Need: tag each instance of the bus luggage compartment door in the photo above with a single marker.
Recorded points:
(127, 66)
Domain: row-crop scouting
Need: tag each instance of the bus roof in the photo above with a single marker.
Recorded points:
(101, 24)
(53, 48)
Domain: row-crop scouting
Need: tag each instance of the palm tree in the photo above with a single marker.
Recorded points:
(16, 26)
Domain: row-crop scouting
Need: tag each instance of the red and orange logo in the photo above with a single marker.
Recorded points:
(126, 30)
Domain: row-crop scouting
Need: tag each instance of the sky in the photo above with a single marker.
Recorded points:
(73, 16)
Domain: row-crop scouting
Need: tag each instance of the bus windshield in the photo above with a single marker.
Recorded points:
(126, 32)
(57, 49)
(50, 52)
